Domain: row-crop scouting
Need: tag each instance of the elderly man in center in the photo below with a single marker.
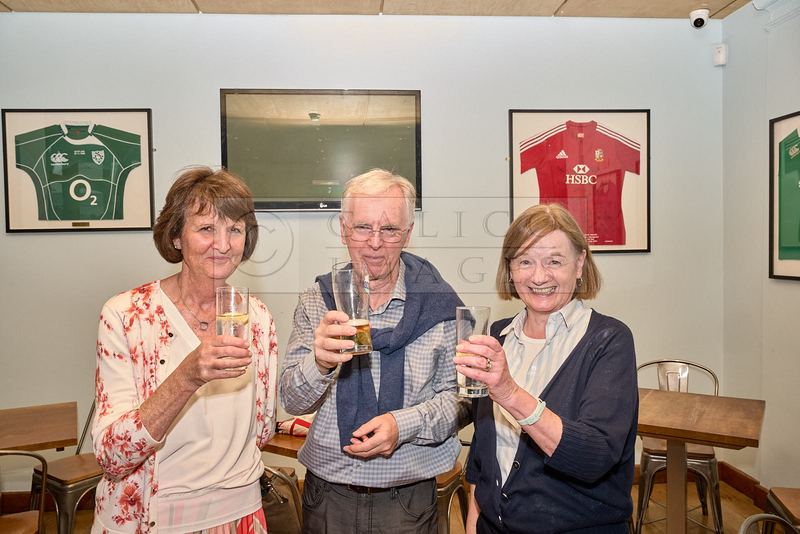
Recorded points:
(386, 421)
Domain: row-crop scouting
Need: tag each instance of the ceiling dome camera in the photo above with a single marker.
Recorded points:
(699, 18)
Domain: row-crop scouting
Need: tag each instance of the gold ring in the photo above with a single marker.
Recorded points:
(488, 366)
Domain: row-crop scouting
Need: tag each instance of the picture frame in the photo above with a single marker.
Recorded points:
(78, 170)
(604, 183)
(784, 197)
(297, 148)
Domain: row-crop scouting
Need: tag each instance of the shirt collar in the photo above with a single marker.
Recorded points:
(568, 316)
(399, 290)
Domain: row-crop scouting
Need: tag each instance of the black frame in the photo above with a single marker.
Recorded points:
(781, 269)
(317, 203)
(138, 121)
(633, 126)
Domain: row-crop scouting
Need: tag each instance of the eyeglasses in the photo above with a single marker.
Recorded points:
(388, 234)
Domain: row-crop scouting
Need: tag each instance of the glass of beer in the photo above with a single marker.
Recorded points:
(470, 321)
(233, 312)
(351, 292)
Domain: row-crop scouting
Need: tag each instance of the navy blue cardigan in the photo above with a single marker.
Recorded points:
(586, 483)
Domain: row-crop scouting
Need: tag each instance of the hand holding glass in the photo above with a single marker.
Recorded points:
(351, 293)
(471, 321)
(233, 312)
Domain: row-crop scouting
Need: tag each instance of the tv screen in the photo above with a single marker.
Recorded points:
(296, 149)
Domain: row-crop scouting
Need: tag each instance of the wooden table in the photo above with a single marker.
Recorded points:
(679, 418)
(285, 445)
(35, 428)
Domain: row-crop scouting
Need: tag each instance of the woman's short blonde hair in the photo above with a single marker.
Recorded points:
(375, 183)
(538, 221)
(201, 188)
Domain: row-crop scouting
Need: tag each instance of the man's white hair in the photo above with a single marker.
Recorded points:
(377, 182)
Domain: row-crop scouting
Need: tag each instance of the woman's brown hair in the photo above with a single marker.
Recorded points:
(201, 188)
(538, 221)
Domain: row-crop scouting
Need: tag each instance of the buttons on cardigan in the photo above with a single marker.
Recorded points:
(515, 465)
(162, 361)
(504, 496)
(171, 334)
(152, 524)
(500, 518)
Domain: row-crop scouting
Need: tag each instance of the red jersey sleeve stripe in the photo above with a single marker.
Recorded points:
(535, 140)
(619, 137)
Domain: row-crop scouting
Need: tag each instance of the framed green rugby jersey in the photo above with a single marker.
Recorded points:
(789, 197)
(784, 197)
(78, 169)
(89, 170)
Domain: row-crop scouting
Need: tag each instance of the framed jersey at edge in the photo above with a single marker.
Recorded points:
(596, 163)
(78, 169)
(784, 197)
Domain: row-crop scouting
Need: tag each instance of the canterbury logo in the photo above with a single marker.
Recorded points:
(59, 157)
(562, 155)
(581, 169)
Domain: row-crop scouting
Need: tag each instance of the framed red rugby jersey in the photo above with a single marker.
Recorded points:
(587, 166)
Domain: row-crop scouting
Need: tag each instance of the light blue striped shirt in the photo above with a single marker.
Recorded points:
(533, 363)
(432, 413)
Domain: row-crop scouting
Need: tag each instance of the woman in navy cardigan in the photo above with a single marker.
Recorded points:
(553, 449)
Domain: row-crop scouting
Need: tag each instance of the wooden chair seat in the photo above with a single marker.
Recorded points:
(446, 478)
(71, 469)
(789, 500)
(693, 450)
(20, 523)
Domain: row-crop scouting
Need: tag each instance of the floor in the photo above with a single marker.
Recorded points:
(735, 509)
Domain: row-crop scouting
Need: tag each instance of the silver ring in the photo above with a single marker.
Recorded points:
(488, 366)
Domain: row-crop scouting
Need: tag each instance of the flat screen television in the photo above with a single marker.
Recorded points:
(297, 149)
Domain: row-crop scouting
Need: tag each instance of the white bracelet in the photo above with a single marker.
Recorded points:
(537, 413)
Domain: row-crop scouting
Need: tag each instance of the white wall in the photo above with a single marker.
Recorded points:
(761, 337)
(470, 70)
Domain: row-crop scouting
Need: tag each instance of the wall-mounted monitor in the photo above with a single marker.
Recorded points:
(297, 149)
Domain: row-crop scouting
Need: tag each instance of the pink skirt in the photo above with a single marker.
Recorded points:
(254, 523)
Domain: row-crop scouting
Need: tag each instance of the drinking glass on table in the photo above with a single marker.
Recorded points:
(351, 293)
(233, 312)
(471, 321)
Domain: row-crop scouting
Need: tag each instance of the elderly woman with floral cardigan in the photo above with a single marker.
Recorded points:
(181, 412)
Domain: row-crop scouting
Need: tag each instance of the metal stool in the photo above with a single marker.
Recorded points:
(750, 525)
(68, 480)
(448, 485)
(673, 375)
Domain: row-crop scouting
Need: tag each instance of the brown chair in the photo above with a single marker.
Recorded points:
(783, 502)
(673, 375)
(68, 480)
(32, 521)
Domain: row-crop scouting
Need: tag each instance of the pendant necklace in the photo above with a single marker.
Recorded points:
(203, 324)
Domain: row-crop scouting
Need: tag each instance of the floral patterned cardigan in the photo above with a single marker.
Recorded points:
(133, 350)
